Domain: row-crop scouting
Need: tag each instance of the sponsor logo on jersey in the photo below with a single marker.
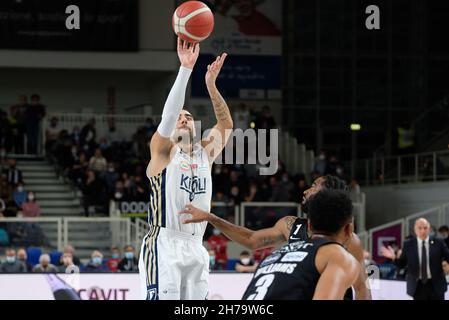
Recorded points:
(193, 185)
(270, 259)
(184, 166)
(294, 256)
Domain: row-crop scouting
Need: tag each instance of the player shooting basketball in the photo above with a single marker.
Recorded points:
(173, 262)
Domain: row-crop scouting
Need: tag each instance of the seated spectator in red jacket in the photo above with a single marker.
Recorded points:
(219, 244)
(115, 260)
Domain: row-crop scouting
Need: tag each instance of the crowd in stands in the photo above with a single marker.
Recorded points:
(26, 261)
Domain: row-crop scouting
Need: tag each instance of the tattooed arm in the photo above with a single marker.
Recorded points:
(220, 133)
(253, 240)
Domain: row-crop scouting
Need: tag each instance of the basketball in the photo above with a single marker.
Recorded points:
(193, 21)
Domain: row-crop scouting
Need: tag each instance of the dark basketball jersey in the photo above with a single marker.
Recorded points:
(299, 233)
(289, 273)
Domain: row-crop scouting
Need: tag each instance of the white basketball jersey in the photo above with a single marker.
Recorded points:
(185, 180)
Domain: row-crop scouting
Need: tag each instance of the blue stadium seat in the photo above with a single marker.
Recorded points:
(54, 257)
(33, 255)
(4, 238)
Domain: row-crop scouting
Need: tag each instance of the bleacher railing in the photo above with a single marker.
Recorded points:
(411, 168)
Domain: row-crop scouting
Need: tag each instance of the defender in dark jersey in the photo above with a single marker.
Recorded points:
(289, 228)
(317, 268)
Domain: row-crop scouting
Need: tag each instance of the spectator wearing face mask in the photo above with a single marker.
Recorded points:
(115, 259)
(70, 250)
(96, 265)
(67, 265)
(246, 264)
(219, 244)
(22, 257)
(211, 259)
(129, 263)
(31, 209)
(12, 265)
(19, 195)
(44, 265)
(52, 135)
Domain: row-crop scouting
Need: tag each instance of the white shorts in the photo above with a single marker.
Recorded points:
(173, 265)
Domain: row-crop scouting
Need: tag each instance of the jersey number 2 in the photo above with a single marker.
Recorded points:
(262, 286)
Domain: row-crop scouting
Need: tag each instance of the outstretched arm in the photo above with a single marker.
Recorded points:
(161, 143)
(253, 240)
(220, 133)
(362, 291)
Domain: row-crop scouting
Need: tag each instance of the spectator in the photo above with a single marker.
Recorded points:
(96, 263)
(67, 265)
(111, 177)
(246, 264)
(2, 208)
(32, 120)
(443, 232)
(212, 259)
(92, 192)
(254, 194)
(88, 136)
(12, 265)
(13, 175)
(321, 164)
(19, 195)
(129, 263)
(150, 128)
(332, 165)
(22, 257)
(120, 193)
(79, 169)
(71, 250)
(31, 208)
(140, 191)
(98, 163)
(75, 135)
(44, 265)
(261, 254)
(17, 123)
(298, 192)
(51, 136)
(115, 259)
(219, 244)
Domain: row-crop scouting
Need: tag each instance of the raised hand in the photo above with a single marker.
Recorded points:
(388, 252)
(213, 70)
(188, 53)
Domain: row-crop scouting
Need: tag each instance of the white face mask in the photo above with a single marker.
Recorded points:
(245, 261)
(216, 232)
(31, 197)
(322, 157)
(118, 195)
(20, 189)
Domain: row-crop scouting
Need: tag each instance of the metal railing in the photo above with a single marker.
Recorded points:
(412, 168)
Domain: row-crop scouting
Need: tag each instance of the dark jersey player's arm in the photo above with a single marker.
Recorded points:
(251, 239)
(362, 291)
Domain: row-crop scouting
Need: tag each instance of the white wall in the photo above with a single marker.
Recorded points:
(389, 203)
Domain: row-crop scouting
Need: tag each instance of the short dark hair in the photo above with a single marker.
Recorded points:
(329, 211)
(244, 253)
(443, 229)
(335, 183)
(35, 96)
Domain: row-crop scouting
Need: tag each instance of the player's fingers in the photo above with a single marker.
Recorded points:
(184, 45)
(197, 47)
(188, 221)
(179, 43)
(223, 58)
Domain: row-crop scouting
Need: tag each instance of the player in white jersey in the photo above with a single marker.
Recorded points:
(173, 263)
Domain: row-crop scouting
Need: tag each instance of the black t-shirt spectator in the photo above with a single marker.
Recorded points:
(128, 265)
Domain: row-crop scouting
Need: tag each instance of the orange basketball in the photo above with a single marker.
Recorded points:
(193, 21)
